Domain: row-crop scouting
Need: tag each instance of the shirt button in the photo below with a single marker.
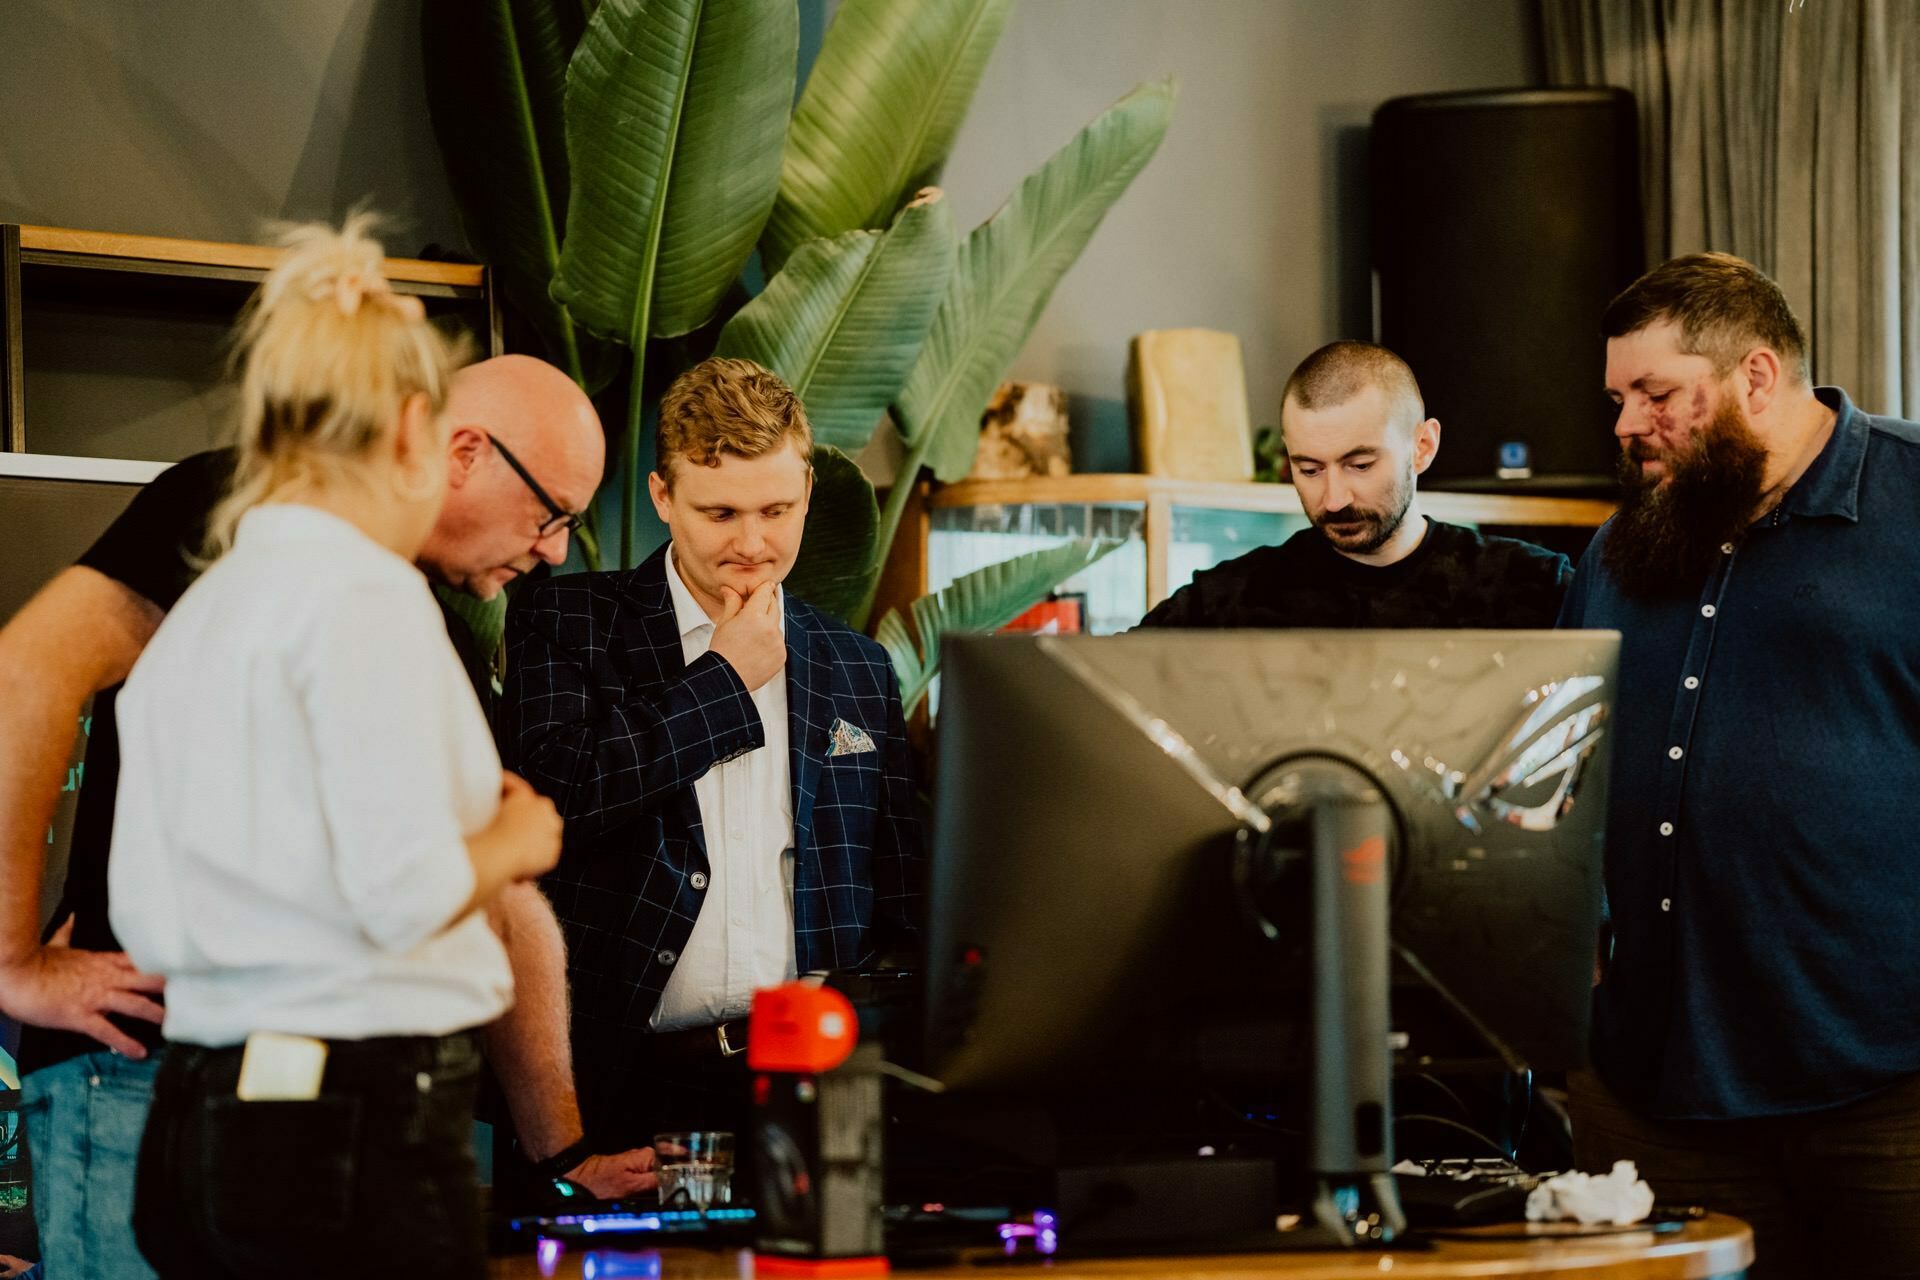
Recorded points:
(1707, 611)
(1666, 904)
(1726, 548)
(1666, 828)
(1692, 682)
(1674, 753)
(667, 957)
(698, 879)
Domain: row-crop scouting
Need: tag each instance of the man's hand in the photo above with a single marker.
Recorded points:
(748, 634)
(615, 1177)
(57, 987)
(529, 825)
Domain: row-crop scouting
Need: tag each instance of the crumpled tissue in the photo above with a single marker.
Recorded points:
(1620, 1197)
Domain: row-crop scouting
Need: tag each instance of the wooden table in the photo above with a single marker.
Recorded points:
(1716, 1247)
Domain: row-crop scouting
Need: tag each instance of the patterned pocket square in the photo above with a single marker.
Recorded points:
(849, 740)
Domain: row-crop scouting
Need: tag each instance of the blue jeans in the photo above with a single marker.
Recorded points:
(84, 1119)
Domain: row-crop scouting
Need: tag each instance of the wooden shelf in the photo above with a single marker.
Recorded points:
(100, 269)
(204, 259)
(1082, 490)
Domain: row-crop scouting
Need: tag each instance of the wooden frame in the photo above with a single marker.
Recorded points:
(1280, 499)
(207, 259)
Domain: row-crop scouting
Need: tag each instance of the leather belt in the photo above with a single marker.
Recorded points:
(728, 1040)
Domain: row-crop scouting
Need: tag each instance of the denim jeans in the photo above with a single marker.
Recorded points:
(374, 1176)
(84, 1118)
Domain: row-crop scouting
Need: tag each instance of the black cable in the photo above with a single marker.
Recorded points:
(1445, 1123)
(1443, 1087)
(1526, 1111)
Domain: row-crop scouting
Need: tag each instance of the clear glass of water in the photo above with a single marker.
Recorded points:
(696, 1169)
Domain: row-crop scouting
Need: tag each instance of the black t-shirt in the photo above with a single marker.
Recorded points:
(1456, 577)
(149, 549)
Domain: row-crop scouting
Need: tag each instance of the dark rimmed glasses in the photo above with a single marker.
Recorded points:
(558, 517)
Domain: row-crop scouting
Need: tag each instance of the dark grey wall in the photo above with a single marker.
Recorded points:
(202, 118)
(1252, 217)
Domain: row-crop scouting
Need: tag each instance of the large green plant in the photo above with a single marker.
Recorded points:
(617, 162)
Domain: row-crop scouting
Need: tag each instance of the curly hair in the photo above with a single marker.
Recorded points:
(727, 406)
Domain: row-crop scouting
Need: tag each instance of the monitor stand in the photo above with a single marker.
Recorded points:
(1330, 816)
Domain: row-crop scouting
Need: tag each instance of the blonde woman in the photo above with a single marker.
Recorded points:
(311, 812)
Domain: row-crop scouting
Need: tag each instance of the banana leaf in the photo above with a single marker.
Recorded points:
(676, 112)
(843, 322)
(879, 113)
(486, 619)
(984, 600)
(495, 78)
(1006, 271)
(843, 520)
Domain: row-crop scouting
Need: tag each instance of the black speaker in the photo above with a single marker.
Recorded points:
(1502, 224)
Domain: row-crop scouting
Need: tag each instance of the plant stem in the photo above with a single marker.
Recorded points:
(903, 483)
(630, 482)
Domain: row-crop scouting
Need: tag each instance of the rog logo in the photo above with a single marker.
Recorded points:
(1530, 779)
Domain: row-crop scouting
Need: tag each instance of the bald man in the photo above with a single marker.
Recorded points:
(525, 452)
(1358, 437)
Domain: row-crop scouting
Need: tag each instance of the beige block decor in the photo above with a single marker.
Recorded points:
(1187, 394)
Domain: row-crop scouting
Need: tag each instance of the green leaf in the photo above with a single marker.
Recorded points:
(676, 111)
(495, 78)
(487, 619)
(879, 113)
(984, 600)
(1007, 269)
(843, 322)
(837, 549)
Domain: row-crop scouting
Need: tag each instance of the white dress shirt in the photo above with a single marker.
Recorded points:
(301, 761)
(743, 938)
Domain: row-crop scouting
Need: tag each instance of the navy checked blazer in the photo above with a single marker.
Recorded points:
(603, 714)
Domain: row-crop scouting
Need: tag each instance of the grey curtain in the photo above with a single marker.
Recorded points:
(1788, 132)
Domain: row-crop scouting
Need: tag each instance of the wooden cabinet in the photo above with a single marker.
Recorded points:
(1168, 530)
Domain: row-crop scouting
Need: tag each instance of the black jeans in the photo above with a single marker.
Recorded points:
(1831, 1193)
(375, 1176)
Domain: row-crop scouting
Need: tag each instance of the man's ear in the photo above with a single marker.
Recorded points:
(662, 496)
(1426, 445)
(1763, 371)
(464, 447)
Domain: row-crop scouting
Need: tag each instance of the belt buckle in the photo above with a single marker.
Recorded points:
(727, 1050)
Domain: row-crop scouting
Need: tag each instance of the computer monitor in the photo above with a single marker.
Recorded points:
(1121, 875)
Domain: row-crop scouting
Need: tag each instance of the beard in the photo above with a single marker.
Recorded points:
(1671, 528)
(1361, 531)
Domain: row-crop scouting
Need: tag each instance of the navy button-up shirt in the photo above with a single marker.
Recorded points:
(1763, 846)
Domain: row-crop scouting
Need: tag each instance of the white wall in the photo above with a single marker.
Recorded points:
(1252, 217)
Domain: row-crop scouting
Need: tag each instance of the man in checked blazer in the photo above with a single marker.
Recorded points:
(731, 764)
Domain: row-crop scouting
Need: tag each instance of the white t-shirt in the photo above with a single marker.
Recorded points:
(302, 758)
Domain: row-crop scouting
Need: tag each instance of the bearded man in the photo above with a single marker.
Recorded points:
(1357, 436)
(1757, 1025)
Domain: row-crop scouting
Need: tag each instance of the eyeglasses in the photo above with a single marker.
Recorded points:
(559, 517)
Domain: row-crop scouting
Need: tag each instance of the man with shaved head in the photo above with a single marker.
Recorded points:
(1357, 435)
(525, 452)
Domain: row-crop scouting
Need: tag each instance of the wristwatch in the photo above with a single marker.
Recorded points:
(556, 1166)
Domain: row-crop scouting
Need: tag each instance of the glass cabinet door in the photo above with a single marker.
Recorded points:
(963, 539)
